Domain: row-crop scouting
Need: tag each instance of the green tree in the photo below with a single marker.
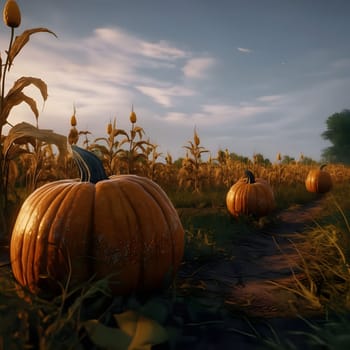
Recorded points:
(258, 158)
(338, 130)
(288, 160)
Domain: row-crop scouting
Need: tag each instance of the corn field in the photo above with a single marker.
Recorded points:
(30, 156)
(30, 162)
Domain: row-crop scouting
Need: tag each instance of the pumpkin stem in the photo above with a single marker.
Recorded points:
(322, 166)
(250, 176)
(90, 166)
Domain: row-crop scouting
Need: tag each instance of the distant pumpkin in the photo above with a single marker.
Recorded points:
(250, 196)
(123, 227)
(319, 180)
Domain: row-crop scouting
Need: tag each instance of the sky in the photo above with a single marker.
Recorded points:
(251, 76)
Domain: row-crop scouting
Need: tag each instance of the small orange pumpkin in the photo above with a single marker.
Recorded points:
(250, 195)
(318, 180)
(123, 227)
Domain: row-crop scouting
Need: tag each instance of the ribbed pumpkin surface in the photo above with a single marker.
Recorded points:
(124, 226)
(318, 181)
(246, 198)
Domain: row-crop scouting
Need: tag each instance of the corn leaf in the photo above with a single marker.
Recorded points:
(100, 139)
(13, 173)
(21, 40)
(139, 130)
(22, 82)
(14, 100)
(188, 147)
(15, 151)
(100, 148)
(15, 96)
(23, 133)
(123, 141)
(139, 144)
(117, 132)
(140, 157)
(189, 160)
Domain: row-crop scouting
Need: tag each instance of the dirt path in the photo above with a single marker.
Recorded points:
(255, 280)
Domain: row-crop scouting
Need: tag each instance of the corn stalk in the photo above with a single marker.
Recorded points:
(14, 97)
(137, 149)
(191, 173)
(110, 148)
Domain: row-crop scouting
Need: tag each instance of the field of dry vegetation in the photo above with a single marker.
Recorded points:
(184, 315)
(191, 183)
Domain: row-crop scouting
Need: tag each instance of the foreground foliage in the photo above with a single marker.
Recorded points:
(88, 316)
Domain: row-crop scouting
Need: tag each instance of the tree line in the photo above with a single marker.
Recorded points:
(337, 133)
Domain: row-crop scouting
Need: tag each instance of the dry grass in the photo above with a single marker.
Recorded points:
(324, 256)
(28, 159)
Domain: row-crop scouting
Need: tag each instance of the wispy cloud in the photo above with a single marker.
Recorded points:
(198, 67)
(244, 50)
(236, 112)
(176, 117)
(108, 70)
(104, 72)
(162, 50)
(165, 95)
(272, 99)
(115, 38)
(214, 114)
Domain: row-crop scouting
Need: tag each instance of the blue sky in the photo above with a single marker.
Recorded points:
(253, 76)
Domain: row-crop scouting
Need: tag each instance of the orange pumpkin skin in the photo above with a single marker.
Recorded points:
(250, 196)
(124, 227)
(318, 180)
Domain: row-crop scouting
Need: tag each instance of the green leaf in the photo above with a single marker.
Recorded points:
(145, 332)
(127, 321)
(148, 333)
(107, 337)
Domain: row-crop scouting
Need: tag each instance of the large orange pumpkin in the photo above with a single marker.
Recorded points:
(250, 196)
(123, 227)
(318, 180)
